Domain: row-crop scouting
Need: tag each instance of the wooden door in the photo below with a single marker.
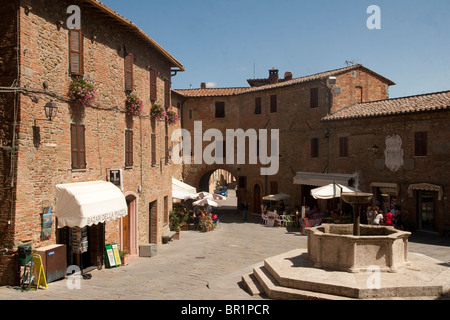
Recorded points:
(126, 229)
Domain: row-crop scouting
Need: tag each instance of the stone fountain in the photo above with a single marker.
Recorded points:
(355, 248)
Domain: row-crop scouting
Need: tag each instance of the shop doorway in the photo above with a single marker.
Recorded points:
(153, 220)
(129, 226)
(427, 210)
(92, 255)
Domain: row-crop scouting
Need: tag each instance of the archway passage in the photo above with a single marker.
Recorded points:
(214, 178)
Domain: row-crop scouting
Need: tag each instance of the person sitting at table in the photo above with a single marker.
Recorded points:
(214, 217)
(378, 218)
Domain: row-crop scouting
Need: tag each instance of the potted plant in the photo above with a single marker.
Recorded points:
(124, 257)
(133, 105)
(81, 92)
(177, 219)
(158, 112)
(172, 118)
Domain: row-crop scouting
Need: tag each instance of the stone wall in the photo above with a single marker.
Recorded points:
(43, 164)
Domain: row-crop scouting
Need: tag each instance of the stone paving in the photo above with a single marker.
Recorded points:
(200, 266)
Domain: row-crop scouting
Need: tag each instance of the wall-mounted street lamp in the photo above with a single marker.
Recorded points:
(51, 110)
(375, 149)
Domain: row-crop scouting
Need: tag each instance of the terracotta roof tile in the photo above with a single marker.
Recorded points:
(211, 92)
(214, 92)
(406, 105)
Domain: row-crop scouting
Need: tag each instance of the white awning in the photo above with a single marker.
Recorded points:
(322, 179)
(88, 203)
(177, 184)
(331, 191)
(426, 187)
(277, 197)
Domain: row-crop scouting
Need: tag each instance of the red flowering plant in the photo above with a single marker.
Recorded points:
(158, 112)
(82, 92)
(134, 105)
(172, 117)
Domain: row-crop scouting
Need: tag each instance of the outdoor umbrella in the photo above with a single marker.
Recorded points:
(206, 202)
(331, 191)
(277, 197)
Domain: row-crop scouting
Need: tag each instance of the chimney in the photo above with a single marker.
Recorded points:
(288, 76)
(203, 85)
(273, 76)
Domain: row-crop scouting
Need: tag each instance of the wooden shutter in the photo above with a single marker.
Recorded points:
(153, 84)
(314, 98)
(76, 52)
(78, 144)
(153, 149)
(220, 109)
(167, 86)
(343, 147)
(128, 148)
(258, 106)
(314, 148)
(273, 103)
(421, 142)
(129, 72)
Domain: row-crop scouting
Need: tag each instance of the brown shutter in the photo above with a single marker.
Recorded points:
(153, 84)
(129, 72)
(76, 52)
(128, 148)
(314, 98)
(421, 142)
(77, 135)
(81, 146)
(167, 86)
(74, 146)
(273, 103)
(153, 149)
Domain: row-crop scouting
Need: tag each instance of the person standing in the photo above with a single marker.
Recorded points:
(245, 208)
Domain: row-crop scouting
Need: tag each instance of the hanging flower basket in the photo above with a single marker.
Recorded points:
(172, 118)
(158, 112)
(134, 105)
(82, 92)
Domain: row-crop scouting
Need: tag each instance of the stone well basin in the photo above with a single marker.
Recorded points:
(334, 247)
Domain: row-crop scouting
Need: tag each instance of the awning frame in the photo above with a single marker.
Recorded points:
(426, 187)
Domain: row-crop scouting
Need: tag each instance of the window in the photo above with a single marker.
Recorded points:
(273, 103)
(153, 142)
(167, 86)
(421, 143)
(314, 97)
(258, 106)
(76, 52)
(129, 86)
(343, 147)
(166, 145)
(166, 209)
(153, 84)
(314, 148)
(128, 148)
(220, 109)
(77, 137)
(359, 94)
(190, 114)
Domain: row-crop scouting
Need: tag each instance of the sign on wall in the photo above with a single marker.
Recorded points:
(116, 177)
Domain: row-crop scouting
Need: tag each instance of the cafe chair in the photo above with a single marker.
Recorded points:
(264, 218)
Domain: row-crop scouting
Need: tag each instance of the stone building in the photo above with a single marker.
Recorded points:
(40, 55)
(322, 139)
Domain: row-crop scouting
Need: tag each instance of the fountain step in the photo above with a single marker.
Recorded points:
(275, 291)
(291, 276)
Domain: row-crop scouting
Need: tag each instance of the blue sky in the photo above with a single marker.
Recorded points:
(229, 41)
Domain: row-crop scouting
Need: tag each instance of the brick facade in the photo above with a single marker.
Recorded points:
(302, 125)
(43, 164)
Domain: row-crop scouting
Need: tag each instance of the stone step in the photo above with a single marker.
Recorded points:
(252, 285)
(274, 291)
